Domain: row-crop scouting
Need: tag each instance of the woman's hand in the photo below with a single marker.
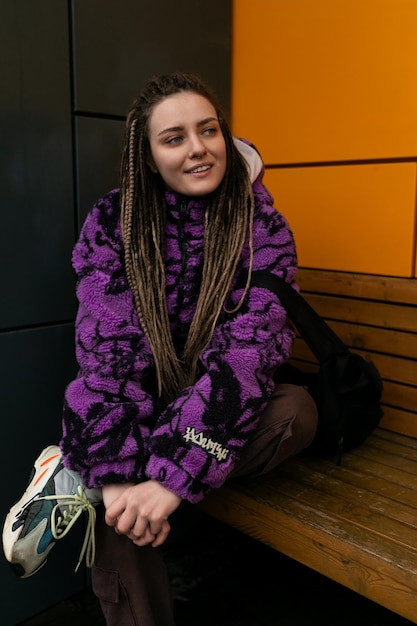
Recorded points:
(112, 492)
(140, 511)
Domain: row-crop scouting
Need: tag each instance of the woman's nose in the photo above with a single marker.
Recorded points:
(197, 146)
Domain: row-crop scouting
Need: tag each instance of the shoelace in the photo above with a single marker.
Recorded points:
(63, 521)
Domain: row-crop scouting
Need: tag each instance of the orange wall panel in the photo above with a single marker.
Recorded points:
(326, 80)
(357, 218)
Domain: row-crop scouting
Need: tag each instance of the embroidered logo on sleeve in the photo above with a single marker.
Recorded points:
(206, 443)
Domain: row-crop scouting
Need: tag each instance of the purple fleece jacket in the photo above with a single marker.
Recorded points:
(115, 427)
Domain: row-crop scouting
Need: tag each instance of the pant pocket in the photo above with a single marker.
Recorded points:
(105, 584)
(272, 447)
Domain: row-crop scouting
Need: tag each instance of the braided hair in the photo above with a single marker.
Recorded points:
(228, 221)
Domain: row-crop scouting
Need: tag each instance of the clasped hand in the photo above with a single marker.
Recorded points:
(140, 511)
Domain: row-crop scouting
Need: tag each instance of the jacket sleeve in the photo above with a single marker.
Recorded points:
(107, 413)
(198, 439)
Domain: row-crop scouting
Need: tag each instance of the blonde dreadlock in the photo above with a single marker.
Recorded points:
(228, 220)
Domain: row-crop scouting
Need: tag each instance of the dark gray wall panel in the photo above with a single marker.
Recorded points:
(99, 145)
(37, 229)
(35, 367)
(120, 44)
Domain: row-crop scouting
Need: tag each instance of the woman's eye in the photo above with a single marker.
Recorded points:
(209, 131)
(174, 140)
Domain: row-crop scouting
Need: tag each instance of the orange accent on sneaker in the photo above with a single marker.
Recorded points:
(40, 477)
(45, 462)
(49, 459)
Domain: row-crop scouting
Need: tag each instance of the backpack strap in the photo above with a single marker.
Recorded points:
(320, 338)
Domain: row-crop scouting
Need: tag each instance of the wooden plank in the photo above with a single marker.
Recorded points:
(365, 524)
(384, 288)
(351, 495)
(405, 441)
(399, 400)
(401, 471)
(328, 488)
(400, 452)
(381, 350)
(394, 368)
(367, 467)
(377, 339)
(399, 421)
(353, 477)
(400, 396)
(365, 312)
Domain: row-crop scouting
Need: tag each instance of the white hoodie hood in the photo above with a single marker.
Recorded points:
(252, 158)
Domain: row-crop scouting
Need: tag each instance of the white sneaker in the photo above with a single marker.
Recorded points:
(53, 501)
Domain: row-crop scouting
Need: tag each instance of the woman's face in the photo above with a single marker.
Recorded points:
(187, 145)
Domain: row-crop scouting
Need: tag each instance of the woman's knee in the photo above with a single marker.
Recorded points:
(286, 427)
(291, 404)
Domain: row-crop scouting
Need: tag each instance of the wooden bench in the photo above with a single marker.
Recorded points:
(355, 523)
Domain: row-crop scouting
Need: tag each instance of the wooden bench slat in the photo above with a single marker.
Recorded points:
(371, 474)
(399, 401)
(340, 488)
(379, 340)
(367, 473)
(384, 288)
(401, 396)
(408, 442)
(345, 516)
(391, 367)
(396, 369)
(353, 482)
(394, 454)
(399, 421)
(370, 532)
(365, 312)
(344, 483)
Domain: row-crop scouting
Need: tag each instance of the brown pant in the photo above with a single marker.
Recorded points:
(131, 582)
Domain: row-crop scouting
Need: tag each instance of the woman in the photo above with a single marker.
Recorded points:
(178, 353)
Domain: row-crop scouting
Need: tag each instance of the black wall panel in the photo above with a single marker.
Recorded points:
(119, 44)
(99, 145)
(35, 367)
(37, 222)
(37, 282)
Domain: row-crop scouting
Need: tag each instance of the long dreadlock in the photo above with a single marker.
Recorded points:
(228, 220)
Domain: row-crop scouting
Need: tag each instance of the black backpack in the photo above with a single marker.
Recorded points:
(346, 388)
